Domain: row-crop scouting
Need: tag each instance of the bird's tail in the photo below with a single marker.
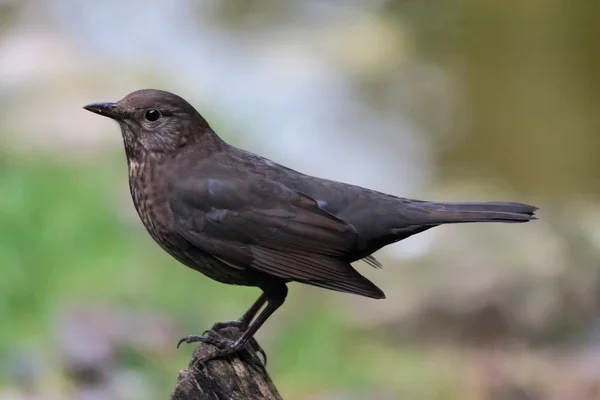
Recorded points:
(448, 213)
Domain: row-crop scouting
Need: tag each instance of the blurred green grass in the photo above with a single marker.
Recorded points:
(64, 241)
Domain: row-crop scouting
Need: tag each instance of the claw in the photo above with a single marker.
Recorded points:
(188, 339)
(224, 352)
(209, 337)
(226, 346)
(262, 353)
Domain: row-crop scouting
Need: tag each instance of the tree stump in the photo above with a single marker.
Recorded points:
(239, 377)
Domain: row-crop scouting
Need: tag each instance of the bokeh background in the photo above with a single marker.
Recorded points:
(443, 100)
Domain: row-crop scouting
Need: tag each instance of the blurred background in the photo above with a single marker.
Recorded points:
(442, 100)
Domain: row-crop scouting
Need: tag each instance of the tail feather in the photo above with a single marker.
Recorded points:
(447, 213)
(417, 216)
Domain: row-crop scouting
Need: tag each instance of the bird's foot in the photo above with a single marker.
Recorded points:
(227, 350)
(209, 337)
(226, 347)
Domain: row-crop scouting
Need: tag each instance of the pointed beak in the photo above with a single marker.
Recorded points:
(110, 110)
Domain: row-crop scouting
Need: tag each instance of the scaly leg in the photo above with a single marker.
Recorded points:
(243, 323)
(275, 296)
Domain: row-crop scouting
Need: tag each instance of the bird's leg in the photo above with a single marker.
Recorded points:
(275, 296)
(242, 323)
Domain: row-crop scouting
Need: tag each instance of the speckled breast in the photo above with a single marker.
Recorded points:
(149, 194)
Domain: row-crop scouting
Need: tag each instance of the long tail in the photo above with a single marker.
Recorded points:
(417, 216)
(448, 213)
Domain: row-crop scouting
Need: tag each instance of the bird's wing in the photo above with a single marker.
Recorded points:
(263, 225)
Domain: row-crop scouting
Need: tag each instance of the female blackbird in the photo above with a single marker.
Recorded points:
(244, 220)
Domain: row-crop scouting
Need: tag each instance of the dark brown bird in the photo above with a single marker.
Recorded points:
(241, 219)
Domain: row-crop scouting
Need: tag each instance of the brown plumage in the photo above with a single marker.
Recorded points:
(244, 220)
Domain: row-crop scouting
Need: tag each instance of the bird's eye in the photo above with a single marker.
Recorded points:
(152, 115)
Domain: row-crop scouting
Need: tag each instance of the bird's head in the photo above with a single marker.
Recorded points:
(153, 122)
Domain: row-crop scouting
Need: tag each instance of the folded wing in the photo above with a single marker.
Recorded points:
(262, 225)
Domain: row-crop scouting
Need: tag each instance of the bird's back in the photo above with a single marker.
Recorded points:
(373, 214)
(378, 218)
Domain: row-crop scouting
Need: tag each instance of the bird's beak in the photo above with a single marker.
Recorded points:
(109, 110)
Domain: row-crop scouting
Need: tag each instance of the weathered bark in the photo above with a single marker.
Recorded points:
(242, 376)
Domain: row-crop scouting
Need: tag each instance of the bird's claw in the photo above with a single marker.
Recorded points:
(222, 352)
(226, 346)
(209, 337)
(257, 349)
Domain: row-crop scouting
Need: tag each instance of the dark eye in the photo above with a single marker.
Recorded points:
(152, 115)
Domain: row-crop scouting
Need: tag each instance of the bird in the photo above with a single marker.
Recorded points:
(242, 219)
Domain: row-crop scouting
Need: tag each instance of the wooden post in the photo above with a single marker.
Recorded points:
(239, 377)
